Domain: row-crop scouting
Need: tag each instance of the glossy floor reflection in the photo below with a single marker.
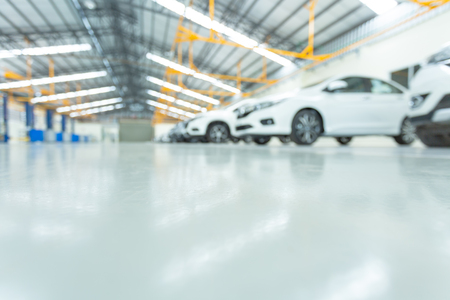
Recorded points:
(154, 221)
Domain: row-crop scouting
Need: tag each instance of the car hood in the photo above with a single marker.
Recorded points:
(214, 113)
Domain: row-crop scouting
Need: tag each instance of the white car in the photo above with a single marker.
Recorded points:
(217, 126)
(430, 103)
(341, 107)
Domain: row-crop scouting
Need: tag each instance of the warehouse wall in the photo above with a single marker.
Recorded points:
(16, 122)
(381, 58)
(135, 131)
(93, 130)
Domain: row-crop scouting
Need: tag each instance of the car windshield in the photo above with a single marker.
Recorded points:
(443, 55)
(236, 105)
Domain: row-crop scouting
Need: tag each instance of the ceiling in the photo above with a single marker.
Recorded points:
(127, 29)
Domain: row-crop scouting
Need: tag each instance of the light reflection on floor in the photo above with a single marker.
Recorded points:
(162, 221)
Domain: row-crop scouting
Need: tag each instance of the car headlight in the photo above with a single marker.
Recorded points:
(418, 100)
(245, 111)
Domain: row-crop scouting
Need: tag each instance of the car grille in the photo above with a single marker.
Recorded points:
(243, 127)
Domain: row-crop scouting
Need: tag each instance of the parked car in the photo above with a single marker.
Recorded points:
(217, 126)
(178, 133)
(430, 103)
(341, 107)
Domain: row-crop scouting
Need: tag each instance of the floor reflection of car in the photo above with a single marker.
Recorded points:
(217, 126)
(341, 107)
(431, 100)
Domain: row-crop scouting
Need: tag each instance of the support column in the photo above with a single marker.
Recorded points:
(29, 116)
(50, 135)
(49, 119)
(63, 123)
(4, 117)
(72, 125)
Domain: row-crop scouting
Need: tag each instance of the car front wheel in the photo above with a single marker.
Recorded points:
(261, 140)
(235, 140)
(434, 136)
(285, 139)
(407, 134)
(344, 140)
(218, 133)
(306, 127)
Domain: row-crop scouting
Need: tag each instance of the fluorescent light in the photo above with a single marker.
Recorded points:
(185, 70)
(96, 110)
(161, 95)
(380, 6)
(157, 104)
(176, 101)
(172, 5)
(190, 105)
(178, 89)
(172, 109)
(45, 50)
(48, 80)
(7, 54)
(205, 21)
(88, 105)
(82, 93)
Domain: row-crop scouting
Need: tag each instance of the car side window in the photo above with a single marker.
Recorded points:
(355, 85)
(381, 87)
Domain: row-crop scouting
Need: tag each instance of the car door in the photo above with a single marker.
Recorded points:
(388, 107)
(348, 109)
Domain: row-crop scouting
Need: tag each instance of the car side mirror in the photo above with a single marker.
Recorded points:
(337, 85)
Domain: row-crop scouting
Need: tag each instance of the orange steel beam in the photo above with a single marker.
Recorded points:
(430, 4)
(228, 77)
(51, 73)
(12, 75)
(238, 77)
(186, 35)
(211, 16)
(78, 100)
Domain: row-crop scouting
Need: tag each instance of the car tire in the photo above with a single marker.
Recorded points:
(235, 140)
(193, 140)
(307, 126)
(407, 133)
(261, 140)
(345, 140)
(436, 136)
(247, 139)
(285, 139)
(218, 132)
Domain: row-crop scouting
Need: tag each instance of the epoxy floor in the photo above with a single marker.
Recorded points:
(162, 221)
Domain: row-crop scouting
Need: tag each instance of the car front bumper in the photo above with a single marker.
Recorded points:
(440, 114)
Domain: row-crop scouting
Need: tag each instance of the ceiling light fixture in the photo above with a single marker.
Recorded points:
(185, 70)
(176, 101)
(96, 110)
(45, 50)
(90, 4)
(179, 89)
(88, 105)
(48, 80)
(380, 6)
(170, 114)
(68, 95)
(172, 109)
(203, 20)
